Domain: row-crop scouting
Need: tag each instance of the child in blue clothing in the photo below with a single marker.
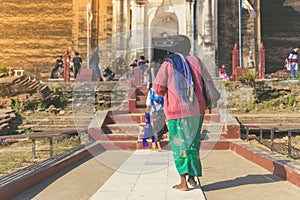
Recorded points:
(155, 106)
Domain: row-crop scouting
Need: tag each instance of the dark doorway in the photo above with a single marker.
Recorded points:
(159, 54)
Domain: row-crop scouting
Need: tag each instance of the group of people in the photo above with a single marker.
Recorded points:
(143, 64)
(176, 95)
(74, 65)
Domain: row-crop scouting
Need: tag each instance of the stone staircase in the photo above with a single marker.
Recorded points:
(7, 118)
(123, 129)
(42, 90)
(57, 123)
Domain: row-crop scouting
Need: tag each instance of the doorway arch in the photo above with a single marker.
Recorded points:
(164, 27)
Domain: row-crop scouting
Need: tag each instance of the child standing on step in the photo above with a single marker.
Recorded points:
(155, 106)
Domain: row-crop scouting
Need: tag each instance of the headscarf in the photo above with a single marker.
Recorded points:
(182, 77)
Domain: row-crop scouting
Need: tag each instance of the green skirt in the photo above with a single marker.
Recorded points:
(184, 134)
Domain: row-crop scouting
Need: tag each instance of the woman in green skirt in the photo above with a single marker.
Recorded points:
(179, 82)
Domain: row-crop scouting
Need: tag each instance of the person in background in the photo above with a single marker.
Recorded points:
(155, 106)
(151, 72)
(132, 66)
(141, 64)
(77, 61)
(179, 81)
(223, 74)
(293, 62)
(108, 74)
(59, 64)
(94, 64)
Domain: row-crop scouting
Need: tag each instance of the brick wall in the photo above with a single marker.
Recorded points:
(34, 32)
(227, 30)
(280, 30)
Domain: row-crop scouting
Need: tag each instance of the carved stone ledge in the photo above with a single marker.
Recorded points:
(140, 2)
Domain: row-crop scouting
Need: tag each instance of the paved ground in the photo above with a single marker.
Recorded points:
(150, 175)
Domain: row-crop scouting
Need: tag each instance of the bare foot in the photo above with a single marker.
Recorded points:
(180, 187)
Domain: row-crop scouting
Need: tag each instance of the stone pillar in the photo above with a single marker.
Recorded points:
(257, 26)
(262, 54)
(235, 63)
(200, 27)
(190, 21)
(94, 24)
(121, 20)
(209, 36)
(137, 38)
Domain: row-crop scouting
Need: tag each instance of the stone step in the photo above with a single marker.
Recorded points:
(122, 128)
(141, 105)
(60, 119)
(141, 98)
(141, 135)
(138, 110)
(38, 127)
(5, 120)
(26, 83)
(4, 116)
(18, 80)
(98, 135)
(6, 111)
(34, 85)
(21, 81)
(127, 118)
(165, 144)
(119, 145)
(30, 85)
(142, 91)
(40, 86)
(139, 127)
(3, 125)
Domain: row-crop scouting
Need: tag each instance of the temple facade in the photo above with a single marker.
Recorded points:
(126, 29)
(153, 23)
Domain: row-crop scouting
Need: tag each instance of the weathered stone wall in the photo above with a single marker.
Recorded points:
(280, 30)
(269, 95)
(99, 94)
(34, 32)
(228, 32)
(111, 93)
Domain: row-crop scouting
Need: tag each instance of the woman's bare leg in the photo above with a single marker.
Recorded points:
(158, 146)
(183, 185)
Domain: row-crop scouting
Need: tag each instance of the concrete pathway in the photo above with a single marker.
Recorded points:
(149, 175)
(146, 175)
(229, 176)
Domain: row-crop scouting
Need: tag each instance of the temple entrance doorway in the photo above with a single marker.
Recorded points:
(159, 54)
(162, 46)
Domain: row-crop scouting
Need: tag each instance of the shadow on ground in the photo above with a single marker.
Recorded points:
(246, 180)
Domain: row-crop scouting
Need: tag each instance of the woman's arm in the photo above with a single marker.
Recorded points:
(161, 80)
